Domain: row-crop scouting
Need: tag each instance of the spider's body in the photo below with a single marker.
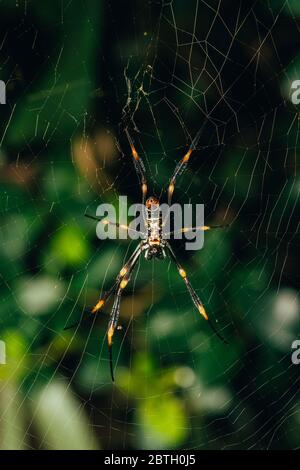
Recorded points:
(153, 245)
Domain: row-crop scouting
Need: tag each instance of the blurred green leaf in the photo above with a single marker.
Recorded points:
(39, 295)
(17, 358)
(60, 419)
(57, 101)
(163, 420)
(69, 246)
(13, 420)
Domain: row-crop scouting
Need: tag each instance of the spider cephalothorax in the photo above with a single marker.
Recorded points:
(152, 203)
(152, 244)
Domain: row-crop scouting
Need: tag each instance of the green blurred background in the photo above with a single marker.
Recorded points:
(75, 73)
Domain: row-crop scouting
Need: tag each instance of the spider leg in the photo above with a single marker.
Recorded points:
(182, 164)
(195, 298)
(125, 269)
(116, 224)
(201, 227)
(115, 313)
(138, 165)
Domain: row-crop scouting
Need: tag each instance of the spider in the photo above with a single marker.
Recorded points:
(153, 246)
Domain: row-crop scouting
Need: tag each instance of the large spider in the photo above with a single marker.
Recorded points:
(153, 246)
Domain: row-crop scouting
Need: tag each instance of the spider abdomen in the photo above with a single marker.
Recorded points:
(154, 245)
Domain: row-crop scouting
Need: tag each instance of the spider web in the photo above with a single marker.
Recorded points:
(75, 77)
